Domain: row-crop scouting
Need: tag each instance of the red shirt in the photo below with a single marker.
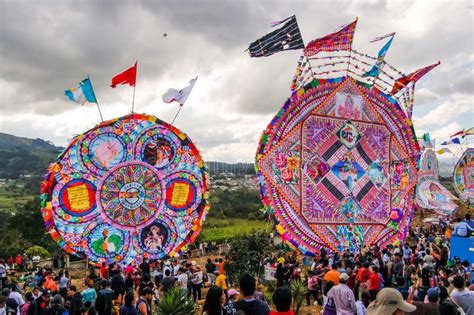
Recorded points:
(282, 313)
(374, 282)
(104, 271)
(363, 275)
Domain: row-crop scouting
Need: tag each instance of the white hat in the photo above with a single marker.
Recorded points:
(193, 263)
(387, 301)
(343, 276)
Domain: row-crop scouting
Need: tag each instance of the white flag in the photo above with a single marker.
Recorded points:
(179, 96)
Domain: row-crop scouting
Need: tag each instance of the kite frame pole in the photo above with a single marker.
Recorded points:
(135, 85)
(96, 101)
(176, 116)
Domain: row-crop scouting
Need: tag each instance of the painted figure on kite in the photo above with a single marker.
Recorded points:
(463, 177)
(348, 120)
(129, 188)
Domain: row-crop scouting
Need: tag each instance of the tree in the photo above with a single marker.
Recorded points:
(37, 251)
(246, 254)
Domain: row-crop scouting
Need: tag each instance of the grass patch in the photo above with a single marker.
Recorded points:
(221, 230)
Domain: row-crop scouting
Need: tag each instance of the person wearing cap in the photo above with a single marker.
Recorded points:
(343, 296)
(233, 296)
(432, 307)
(196, 282)
(389, 302)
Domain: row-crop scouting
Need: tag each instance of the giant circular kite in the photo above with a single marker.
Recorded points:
(337, 167)
(463, 176)
(131, 187)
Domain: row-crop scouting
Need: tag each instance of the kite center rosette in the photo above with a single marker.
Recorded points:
(131, 187)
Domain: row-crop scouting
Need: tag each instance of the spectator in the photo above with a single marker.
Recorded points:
(117, 284)
(210, 270)
(17, 296)
(343, 296)
(57, 306)
(29, 299)
(89, 294)
(374, 282)
(196, 282)
(40, 306)
(221, 281)
(144, 302)
(182, 279)
(432, 307)
(333, 275)
(74, 300)
(282, 300)
(128, 308)
(312, 287)
(462, 296)
(363, 303)
(167, 283)
(229, 306)
(461, 228)
(389, 302)
(105, 298)
(249, 304)
(215, 298)
(446, 306)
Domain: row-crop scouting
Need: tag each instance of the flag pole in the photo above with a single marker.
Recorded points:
(176, 116)
(135, 85)
(96, 101)
(350, 51)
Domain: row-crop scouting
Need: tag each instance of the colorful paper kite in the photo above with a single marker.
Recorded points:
(463, 177)
(430, 194)
(131, 187)
(337, 167)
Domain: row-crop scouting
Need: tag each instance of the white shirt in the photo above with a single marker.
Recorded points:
(183, 279)
(361, 310)
(343, 298)
(18, 298)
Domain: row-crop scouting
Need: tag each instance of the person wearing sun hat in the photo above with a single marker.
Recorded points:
(389, 302)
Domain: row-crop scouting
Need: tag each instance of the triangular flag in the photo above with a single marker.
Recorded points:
(179, 96)
(452, 141)
(412, 77)
(443, 150)
(379, 63)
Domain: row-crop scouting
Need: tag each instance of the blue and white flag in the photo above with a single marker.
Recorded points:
(452, 141)
(83, 93)
(379, 63)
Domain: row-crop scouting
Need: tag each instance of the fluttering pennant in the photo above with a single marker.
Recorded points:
(129, 76)
(464, 132)
(452, 141)
(443, 150)
(379, 63)
(426, 137)
(180, 96)
(340, 40)
(287, 37)
(83, 93)
(412, 77)
(376, 39)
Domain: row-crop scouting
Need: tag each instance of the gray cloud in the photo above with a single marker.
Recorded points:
(48, 46)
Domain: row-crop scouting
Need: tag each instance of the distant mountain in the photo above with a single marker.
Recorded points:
(22, 156)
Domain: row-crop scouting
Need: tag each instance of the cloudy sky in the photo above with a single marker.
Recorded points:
(47, 46)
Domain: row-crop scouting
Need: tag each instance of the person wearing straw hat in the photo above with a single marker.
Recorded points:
(389, 302)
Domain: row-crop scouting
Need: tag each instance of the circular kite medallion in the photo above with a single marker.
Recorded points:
(132, 187)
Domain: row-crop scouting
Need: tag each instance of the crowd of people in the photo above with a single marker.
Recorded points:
(415, 276)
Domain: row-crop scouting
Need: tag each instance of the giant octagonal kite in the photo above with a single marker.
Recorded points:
(337, 167)
(131, 187)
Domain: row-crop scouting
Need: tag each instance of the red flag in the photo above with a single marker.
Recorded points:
(412, 77)
(128, 76)
(340, 40)
(458, 133)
